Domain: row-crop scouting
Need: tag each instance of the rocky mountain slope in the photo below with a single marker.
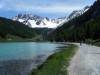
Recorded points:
(77, 13)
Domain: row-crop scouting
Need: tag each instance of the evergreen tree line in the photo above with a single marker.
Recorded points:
(16, 28)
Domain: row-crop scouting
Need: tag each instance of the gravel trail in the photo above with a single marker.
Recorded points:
(86, 61)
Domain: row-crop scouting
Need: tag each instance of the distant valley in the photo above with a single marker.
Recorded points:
(33, 26)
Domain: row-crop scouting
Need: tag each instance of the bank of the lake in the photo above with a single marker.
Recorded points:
(57, 63)
(16, 40)
(21, 40)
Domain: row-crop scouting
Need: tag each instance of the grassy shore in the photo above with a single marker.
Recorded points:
(20, 40)
(57, 63)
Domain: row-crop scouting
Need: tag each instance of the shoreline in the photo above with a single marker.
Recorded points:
(27, 63)
(20, 40)
(58, 60)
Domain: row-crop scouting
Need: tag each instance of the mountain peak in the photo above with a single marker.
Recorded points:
(87, 7)
(77, 13)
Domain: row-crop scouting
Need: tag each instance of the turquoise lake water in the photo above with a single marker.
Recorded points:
(27, 50)
(23, 56)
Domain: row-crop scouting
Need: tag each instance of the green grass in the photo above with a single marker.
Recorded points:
(15, 40)
(57, 63)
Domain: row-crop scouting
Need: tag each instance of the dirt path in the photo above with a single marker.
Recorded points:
(86, 61)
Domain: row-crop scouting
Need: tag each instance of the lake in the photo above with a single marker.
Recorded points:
(20, 58)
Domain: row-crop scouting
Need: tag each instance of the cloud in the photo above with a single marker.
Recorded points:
(1, 5)
(42, 6)
(53, 9)
(42, 9)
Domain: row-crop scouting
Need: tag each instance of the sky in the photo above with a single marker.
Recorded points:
(44, 8)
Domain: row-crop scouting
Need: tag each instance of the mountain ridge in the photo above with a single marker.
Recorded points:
(36, 21)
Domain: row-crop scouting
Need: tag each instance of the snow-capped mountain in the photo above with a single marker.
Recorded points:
(36, 21)
(77, 13)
